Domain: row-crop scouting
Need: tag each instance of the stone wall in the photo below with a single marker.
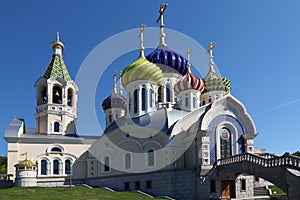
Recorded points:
(179, 184)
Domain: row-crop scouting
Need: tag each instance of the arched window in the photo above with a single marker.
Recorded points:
(225, 143)
(109, 118)
(203, 103)
(168, 93)
(127, 161)
(194, 102)
(150, 98)
(56, 127)
(135, 101)
(129, 100)
(55, 167)
(57, 95)
(209, 99)
(70, 97)
(67, 167)
(143, 98)
(56, 150)
(44, 95)
(186, 102)
(106, 164)
(43, 167)
(159, 94)
(151, 158)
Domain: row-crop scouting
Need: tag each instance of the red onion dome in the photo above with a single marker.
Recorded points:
(189, 81)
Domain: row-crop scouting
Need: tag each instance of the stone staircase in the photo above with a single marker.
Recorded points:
(261, 191)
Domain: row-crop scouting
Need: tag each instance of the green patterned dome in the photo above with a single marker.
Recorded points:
(57, 68)
(142, 69)
(214, 81)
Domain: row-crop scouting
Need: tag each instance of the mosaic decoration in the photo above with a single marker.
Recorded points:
(221, 119)
(57, 68)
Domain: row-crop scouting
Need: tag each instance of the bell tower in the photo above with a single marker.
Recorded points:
(56, 97)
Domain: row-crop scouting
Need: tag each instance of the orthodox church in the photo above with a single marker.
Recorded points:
(163, 138)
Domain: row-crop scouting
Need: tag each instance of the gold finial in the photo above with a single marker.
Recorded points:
(57, 46)
(189, 59)
(210, 51)
(141, 36)
(115, 82)
(161, 19)
(121, 88)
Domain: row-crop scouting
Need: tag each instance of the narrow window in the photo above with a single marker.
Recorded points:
(106, 164)
(194, 102)
(44, 95)
(203, 103)
(135, 101)
(70, 97)
(243, 184)
(129, 100)
(209, 99)
(68, 167)
(186, 101)
(168, 93)
(212, 186)
(55, 167)
(137, 185)
(43, 167)
(128, 161)
(150, 158)
(109, 118)
(126, 186)
(225, 143)
(56, 127)
(148, 184)
(143, 98)
(150, 98)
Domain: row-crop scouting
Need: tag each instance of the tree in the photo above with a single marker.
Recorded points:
(297, 153)
(3, 165)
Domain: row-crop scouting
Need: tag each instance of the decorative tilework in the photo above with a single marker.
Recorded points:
(57, 68)
(213, 127)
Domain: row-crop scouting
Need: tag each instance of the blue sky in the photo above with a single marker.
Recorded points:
(258, 50)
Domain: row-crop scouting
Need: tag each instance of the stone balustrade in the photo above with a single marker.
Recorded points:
(264, 161)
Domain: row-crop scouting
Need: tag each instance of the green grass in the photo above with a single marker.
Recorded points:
(276, 190)
(69, 193)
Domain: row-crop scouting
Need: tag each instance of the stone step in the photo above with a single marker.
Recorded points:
(261, 191)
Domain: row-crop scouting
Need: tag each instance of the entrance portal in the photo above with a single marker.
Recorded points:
(228, 189)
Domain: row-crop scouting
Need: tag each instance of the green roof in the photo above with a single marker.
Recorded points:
(57, 68)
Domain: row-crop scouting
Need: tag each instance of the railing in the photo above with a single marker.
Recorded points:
(286, 160)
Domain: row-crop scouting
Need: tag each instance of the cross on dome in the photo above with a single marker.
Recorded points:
(141, 36)
(162, 35)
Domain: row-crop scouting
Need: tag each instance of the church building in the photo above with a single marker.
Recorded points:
(163, 137)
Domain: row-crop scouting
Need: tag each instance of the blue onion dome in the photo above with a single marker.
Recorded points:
(114, 101)
(168, 60)
(215, 82)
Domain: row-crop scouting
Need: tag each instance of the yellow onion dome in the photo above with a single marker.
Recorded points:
(25, 163)
(142, 69)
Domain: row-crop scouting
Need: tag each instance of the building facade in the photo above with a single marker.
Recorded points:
(163, 138)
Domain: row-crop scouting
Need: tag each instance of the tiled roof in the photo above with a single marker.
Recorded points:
(57, 68)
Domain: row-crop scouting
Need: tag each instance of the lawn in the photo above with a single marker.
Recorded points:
(276, 190)
(71, 193)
